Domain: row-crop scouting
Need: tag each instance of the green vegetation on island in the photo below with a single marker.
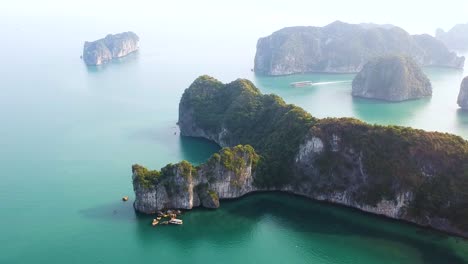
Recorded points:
(275, 129)
(234, 159)
(344, 48)
(423, 175)
(392, 78)
(227, 174)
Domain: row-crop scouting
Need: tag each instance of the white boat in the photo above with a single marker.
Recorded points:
(175, 221)
(302, 84)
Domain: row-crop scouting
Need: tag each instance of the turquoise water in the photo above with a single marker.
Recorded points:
(331, 98)
(69, 135)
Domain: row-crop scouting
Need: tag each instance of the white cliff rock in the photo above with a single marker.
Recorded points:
(112, 46)
(463, 95)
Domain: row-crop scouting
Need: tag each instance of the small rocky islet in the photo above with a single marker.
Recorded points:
(463, 95)
(268, 145)
(391, 78)
(345, 48)
(186, 186)
(112, 46)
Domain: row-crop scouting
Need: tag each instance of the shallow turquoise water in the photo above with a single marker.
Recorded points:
(69, 135)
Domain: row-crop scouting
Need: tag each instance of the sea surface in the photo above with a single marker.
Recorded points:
(70, 133)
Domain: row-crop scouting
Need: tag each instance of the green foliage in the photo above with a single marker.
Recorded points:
(217, 157)
(213, 195)
(168, 171)
(432, 165)
(145, 177)
(234, 159)
(237, 159)
(266, 122)
(150, 178)
(185, 168)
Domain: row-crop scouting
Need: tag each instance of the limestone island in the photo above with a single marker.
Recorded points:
(463, 95)
(268, 145)
(456, 38)
(112, 46)
(345, 48)
(391, 78)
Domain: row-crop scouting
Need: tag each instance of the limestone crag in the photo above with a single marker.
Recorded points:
(456, 38)
(397, 172)
(345, 48)
(391, 78)
(112, 46)
(226, 175)
(463, 95)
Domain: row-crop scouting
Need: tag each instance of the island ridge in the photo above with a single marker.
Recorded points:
(398, 172)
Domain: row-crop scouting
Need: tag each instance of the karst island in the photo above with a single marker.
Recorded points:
(111, 47)
(269, 145)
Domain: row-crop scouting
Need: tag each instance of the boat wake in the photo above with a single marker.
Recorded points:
(310, 83)
(327, 83)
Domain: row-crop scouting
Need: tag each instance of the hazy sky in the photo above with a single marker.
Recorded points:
(416, 16)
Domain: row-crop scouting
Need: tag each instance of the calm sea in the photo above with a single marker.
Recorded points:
(69, 135)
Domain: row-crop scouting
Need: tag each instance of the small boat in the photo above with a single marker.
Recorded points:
(164, 222)
(175, 221)
(158, 218)
(125, 198)
(155, 222)
(302, 84)
(172, 216)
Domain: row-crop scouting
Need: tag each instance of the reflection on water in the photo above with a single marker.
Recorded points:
(289, 218)
(281, 85)
(194, 150)
(333, 99)
(126, 61)
(438, 74)
(382, 112)
(197, 150)
(462, 120)
(117, 211)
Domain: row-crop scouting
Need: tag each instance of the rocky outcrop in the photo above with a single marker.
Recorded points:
(228, 174)
(112, 46)
(345, 48)
(463, 95)
(435, 53)
(391, 78)
(456, 38)
(398, 172)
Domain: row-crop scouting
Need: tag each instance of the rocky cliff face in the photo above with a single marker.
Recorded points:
(456, 38)
(463, 95)
(397, 172)
(435, 53)
(344, 48)
(228, 174)
(392, 78)
(112, 46)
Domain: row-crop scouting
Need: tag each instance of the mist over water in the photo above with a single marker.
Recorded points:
(70, 133)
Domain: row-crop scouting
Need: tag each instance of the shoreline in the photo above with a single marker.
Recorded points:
(326, 203)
